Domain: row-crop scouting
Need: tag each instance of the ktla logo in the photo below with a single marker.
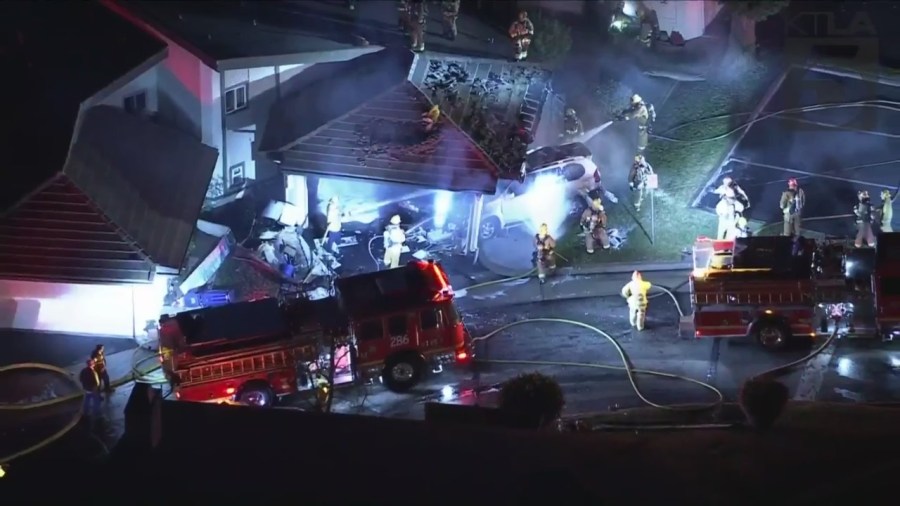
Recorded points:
(853, 36)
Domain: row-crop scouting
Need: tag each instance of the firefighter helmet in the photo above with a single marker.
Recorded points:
(885, 194)
(544, 230)
(395, 219)
(792, 182)
(636, 99)
(639, 158)
(570, 112)
(862, 194)
(727, 181)
(597, 203)
(636, 276)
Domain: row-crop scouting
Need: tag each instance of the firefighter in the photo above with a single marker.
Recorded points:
(99, 358)
(863, 213)
(403, 15)
(644, 114)
(450, 11)
(635, 292)
(593, 223)
(333, 225)
(729, 210)
(430, 118)
(572, 126)
(90, 383)
(885, 212)
(545, 252)
(742, 228)
(792, 201)
(418, 17)
(521, 31)
(637, 178)
(394, 239)
(740, 194)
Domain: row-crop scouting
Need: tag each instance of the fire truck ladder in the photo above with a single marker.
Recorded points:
(238, 367)
(831, 294)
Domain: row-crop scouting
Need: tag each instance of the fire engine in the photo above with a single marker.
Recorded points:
(388, 325)
(778, 289)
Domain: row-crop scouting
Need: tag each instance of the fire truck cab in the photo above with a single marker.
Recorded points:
(390, 324)
(776, 289)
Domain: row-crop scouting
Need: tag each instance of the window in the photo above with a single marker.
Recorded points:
(452, 315)
(430, 319)
(369, 331)
(236, 172)
(573, 172)
(397, 325)
(235, 98)
(137, 103)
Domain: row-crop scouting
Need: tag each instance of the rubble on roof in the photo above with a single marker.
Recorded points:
(487, 108)
(399, 140)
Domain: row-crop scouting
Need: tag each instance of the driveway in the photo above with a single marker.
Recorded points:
(833, 152)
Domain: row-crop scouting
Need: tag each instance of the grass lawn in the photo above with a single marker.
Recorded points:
(683, 167)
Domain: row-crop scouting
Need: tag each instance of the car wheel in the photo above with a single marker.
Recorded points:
(489, 228)
(256, 394)
(402, 372)
(772, 335)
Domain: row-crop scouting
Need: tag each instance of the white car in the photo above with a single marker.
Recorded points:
(572, 163)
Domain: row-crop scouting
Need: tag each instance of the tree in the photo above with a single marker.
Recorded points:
(531, 401)
(552, 39)
(744, 16)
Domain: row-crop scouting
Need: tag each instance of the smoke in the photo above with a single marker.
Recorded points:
(547, 203)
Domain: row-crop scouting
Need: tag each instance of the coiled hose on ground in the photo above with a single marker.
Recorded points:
(138, 374)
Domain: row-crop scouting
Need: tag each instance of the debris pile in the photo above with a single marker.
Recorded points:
(488, 107)
(396, 139)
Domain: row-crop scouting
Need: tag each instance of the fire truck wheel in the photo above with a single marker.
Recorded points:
(403, 371)
(772, 334)
(256, 393)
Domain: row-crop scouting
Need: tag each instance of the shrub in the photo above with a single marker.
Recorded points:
(552, 39)
(531, 400)
(762, 401)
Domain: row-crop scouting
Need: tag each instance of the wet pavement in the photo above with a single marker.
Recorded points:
(833, 153)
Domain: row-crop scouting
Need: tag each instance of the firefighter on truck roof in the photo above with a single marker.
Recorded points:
(593, 223)
(635, 292)
(792, 202)
(544, 252)
(863, 213)
(885, 211)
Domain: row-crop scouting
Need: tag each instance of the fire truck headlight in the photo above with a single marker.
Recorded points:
(547, 203)
(443, 203)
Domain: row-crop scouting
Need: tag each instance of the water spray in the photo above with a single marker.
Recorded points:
(590, 134)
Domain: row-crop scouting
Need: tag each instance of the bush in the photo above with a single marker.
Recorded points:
(531, 400)
(552, 39)
(763, 401)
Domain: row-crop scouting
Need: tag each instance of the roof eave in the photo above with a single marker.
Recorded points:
(304, 58)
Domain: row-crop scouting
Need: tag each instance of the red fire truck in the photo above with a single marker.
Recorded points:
(776, 289)
(392, 325)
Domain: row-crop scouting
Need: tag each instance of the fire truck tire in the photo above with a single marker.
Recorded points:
(772, 334)
(403, 371)
(256, 393)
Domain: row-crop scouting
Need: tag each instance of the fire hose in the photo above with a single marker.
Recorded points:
(632, 372)
(878, 104)
(136, 375)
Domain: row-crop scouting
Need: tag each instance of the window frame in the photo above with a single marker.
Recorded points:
(134, 98)
(436, 318)
(390, 323)
(235, 106)
(237, 167)
(361, 326)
